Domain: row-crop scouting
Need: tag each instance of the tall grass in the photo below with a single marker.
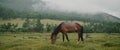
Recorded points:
(41, 41)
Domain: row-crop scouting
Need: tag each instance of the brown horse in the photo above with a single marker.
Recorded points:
(65, 28)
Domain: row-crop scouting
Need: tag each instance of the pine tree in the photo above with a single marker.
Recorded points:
(39, 26)
(48, 29)
(26, 25)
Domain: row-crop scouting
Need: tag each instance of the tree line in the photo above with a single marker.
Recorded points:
(35, 25)
(28, 26)
(102, 28)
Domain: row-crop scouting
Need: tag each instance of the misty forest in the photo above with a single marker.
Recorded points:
(24, 22)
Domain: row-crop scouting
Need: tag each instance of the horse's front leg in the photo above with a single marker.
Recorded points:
(67, 37)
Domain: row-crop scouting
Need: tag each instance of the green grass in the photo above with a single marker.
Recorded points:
(41, 41)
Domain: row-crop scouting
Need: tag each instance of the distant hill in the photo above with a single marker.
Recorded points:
(88, 17)
(7, 13)
(103, 17)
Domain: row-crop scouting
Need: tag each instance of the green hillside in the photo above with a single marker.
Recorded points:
(7, 13)
(45, 21)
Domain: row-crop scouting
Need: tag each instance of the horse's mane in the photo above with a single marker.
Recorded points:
(57, 29)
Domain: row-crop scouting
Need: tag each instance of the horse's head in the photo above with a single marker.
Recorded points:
(53, 38)
(54, 34)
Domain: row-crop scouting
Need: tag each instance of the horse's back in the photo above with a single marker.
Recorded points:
(70, 27)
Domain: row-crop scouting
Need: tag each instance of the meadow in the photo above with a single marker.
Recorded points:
(41, 41)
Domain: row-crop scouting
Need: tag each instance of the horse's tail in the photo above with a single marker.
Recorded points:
(81, 34)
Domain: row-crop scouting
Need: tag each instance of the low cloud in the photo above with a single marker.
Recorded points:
(84, 6)
(80, 6)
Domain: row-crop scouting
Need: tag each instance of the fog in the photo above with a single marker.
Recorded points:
(81, 6)
(85, 6)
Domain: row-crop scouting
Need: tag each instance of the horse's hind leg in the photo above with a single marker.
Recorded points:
(78, 36)
(82, 38)
(63, 37)
(81, 35)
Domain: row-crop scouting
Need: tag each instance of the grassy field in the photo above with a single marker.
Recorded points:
(41, 41)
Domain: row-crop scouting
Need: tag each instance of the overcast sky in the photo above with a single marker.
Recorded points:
(84, 6)
(108, 6)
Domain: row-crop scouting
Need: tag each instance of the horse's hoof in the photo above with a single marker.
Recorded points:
(83, 42)
(78, 42)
